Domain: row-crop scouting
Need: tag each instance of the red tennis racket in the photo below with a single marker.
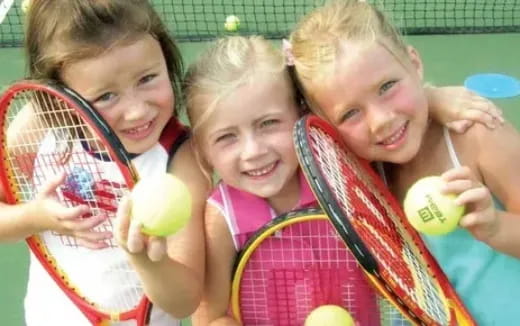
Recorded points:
(372, 224)
(66, 135)
(296, 263)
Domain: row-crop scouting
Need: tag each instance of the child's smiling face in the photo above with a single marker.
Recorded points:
(248, 139)
(130, 87)
(376, 101)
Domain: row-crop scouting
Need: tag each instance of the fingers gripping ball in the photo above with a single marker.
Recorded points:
(232, 23)
(428, 210)
(162, 204)
(329, 315)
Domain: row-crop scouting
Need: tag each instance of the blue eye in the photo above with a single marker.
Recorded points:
(386, 86)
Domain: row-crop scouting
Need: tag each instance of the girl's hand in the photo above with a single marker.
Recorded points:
(131, 239)
(458, 108)
(480, 216)
(48, 214)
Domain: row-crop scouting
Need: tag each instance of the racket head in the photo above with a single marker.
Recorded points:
(296, 263)
(372, 224)
(82, 145)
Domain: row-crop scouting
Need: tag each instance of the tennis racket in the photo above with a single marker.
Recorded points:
(67, 135)
(296, 263)
(372, 224)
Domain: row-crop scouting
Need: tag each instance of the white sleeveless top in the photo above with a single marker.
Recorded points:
(45, 303)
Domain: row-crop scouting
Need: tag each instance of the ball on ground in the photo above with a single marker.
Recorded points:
(161, 203)
(232, 23)
(428, 210)
(329, 315)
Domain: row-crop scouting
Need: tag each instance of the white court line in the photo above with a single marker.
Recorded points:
(5, 5)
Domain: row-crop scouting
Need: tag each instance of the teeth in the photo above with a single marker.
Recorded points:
(395, 137)
(260, 172)
(139, 129)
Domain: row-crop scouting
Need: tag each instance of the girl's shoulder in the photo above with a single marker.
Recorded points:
(493, 155)
(480, 141)
(479, 134)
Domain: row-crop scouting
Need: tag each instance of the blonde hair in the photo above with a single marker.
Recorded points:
(317, 39)
(61, 32)
(226, 65)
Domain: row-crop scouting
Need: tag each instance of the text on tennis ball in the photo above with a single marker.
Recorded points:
(428, 210)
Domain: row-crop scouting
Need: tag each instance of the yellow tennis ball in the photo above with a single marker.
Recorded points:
(161, 203)
(329, 315)
(232, 23)
(25, 5)
(428, 210)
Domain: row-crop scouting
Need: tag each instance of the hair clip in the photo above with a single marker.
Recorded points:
(287, 51)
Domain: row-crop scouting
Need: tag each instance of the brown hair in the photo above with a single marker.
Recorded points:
(60, 32)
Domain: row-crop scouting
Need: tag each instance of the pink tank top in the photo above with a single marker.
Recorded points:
(245, 213)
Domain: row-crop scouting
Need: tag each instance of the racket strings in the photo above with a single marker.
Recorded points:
(53, 117)
(306, 266)
(59, 141)
(426, 294)
(382, 229)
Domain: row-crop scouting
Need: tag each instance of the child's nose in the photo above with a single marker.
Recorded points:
(135, 108)
(378, 117)
(252, 147)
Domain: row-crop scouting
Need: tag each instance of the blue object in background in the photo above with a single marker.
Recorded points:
(493, 85)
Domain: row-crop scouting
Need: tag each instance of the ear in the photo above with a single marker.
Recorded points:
(416, 61)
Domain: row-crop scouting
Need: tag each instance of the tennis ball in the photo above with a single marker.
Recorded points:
(329, 315)
(232, 23)
(25, 5)
(428, 210)
(161, 203)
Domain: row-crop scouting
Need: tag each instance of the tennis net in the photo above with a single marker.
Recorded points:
(195, 20)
